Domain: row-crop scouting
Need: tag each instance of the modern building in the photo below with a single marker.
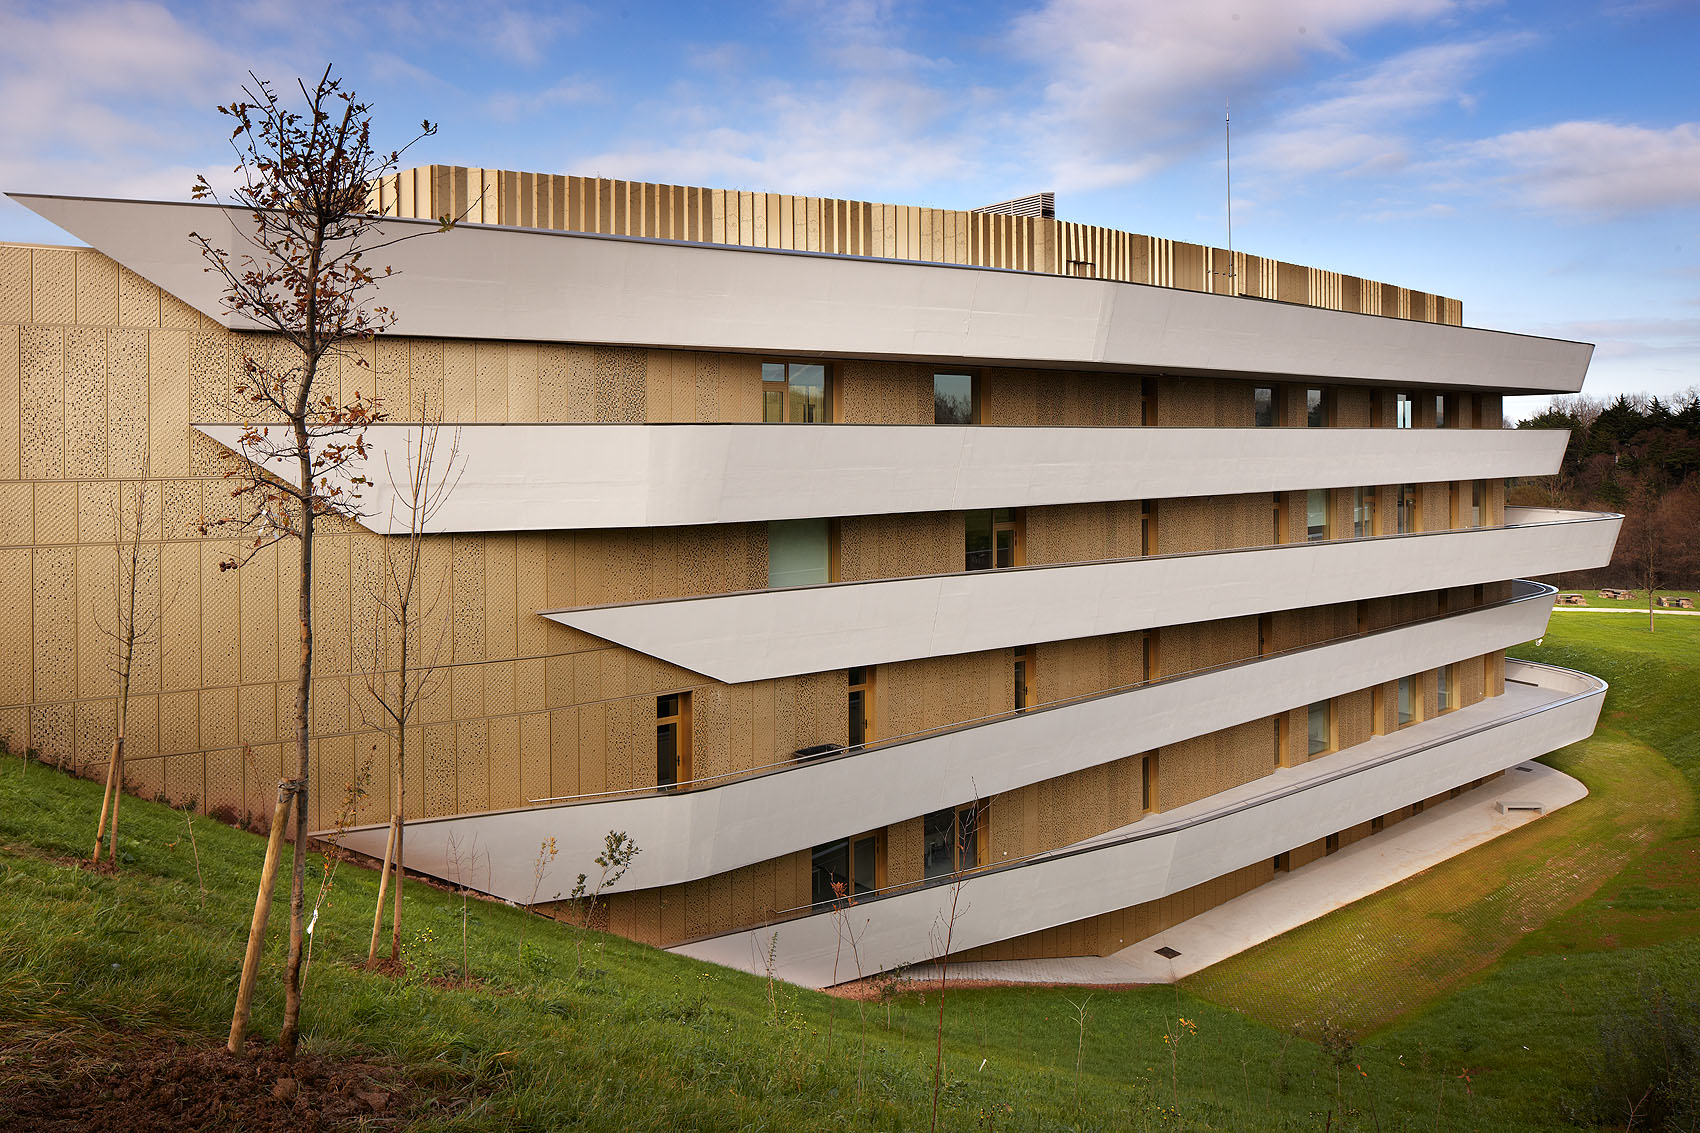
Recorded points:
(843, 555)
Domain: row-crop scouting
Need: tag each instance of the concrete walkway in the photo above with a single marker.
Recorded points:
(1292, 899)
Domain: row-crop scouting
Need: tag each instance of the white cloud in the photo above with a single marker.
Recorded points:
(1356, 126)
(1128, 84)
(844, 141)
(1594, 168)
(511, 105)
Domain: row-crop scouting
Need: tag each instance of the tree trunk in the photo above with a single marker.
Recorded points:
(105, 803)
(257, 927)
(117, 797)
(291, 1033)
(383, 891)
(400, 872)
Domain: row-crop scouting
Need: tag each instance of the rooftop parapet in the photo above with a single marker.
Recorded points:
(902, 232)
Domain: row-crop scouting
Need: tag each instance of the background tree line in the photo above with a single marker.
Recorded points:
(1639, 455)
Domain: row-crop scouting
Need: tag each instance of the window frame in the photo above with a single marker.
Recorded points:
(1323, 408)
(680, 721)
(867, 687)
(1023, 666)
(973, 377)
(1014, 524)
(782, 388)
(1312, 534)
(1330, 742)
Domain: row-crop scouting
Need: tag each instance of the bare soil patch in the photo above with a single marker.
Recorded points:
(172, 1088)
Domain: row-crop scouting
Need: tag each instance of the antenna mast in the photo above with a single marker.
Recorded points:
(1228, 155)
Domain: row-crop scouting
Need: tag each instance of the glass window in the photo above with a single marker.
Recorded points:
(1316, 515)
(845, 868)
(1443, 682)
(1440, 411)
(1478, 502)
(1321, 727)
(1363, 513)
(1402, 411)
(799, 552)
(1407, 701)
(954, 402)
(864, 863)
(1316, 408)
(672, 739)
(968, 836)
(1148, 784)
(1263, 407)
(950, 841)
(991, 539)
(1148, 527)
(938, 850)
(794, 392)
(831, 870)
(1409, 515)
(1023, 678)
(861, 705)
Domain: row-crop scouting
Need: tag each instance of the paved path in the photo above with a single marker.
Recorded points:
(1306, 893)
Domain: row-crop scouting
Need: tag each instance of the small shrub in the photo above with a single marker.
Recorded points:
(1646, 1072)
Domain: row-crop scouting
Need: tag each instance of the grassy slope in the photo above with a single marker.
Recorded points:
(650, 1040)
(1569, 917)
(644, 1040)
(1532, 1017)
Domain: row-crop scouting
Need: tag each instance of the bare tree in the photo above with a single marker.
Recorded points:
(1660, 538)
(966, 849)
(128, 629)
(408, 616)
(302, 182)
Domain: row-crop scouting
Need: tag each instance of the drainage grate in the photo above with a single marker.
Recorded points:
(1167, 953)
(1526, 768)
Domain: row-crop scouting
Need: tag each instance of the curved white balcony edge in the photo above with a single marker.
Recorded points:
(546, 286)
(757, 635)
(717, 827)
(561, 477)
(1170, 852)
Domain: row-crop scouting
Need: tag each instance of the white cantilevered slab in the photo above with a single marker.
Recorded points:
(545, 286)
(1174, 850)
(757, 635)
(703, 830)
(577, 477)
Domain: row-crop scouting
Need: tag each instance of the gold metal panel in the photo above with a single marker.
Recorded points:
(97, 290)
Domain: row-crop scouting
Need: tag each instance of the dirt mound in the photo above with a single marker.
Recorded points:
(174, 1088)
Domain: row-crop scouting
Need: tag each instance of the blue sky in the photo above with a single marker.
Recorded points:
(1539, 161)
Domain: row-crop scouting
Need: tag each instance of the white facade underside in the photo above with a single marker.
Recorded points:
(757, 635)
(507, 283)
(692, 834)
(578, 477)
(1175, 850)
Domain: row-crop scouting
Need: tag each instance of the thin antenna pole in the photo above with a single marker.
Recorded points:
(1228, 155)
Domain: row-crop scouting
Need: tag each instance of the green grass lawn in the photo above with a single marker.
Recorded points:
(1493, 1008)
